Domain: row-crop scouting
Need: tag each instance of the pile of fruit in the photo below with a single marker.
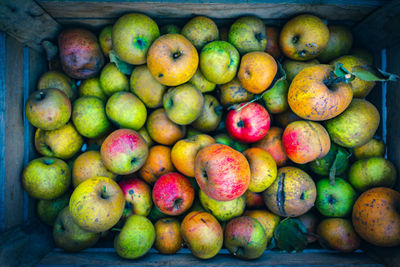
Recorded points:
(163, 137)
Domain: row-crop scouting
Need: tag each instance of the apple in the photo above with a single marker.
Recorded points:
(272, 143)
(323, 165)
(221, 172)
(168, 236)
(273, 41)
(211, 115)
(138, 195)
(257, 71)
(268, 221)
(223, 210)
(292, 194)
(373, 148)
(200, 30)
(173, 193)
(48, 109)
(183, 104)
(339, 44)
(146, 87)
(304, 37)
(158, 163)
(183, 153)
(172, 59)
(170, 28)
(88, 165)
(201, 83)
(219, 61)
(275, 98)
(249, 124)
(335, 199)
(136, 237)
(310, 220)
(46, 178)
(112, 80)
(338, 234)
(233, 93)
(263, 169)
(225, 139)
(293, 67)
(143, 132)
(305, 141)
(80, 53)
(105, 40)
(126, 110)
(376, 216)
(124, 151)
(92, 87)
(58, 80)
(248, 34)
(47, 210)
(283, 119)
(62, 143)
(89, 116)
(202, 234)
(69, 236)
(254, 200)
(132, 36)
(245, 238)
(97, 204)
(372, 172)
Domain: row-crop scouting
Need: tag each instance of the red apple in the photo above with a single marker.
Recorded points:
(138, 194)
(124, 151)
(249, 124)
(173, 194)
(254, 200)
(221, 172)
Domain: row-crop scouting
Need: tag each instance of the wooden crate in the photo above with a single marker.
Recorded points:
(25, 24)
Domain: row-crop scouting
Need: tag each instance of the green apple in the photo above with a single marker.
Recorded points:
(223, 210)
(183, 104)
(219, 61)
(136, 237)
(339, 44)
(89, 116)
(46, 178)
(275, 99)
(125, 110)
(201, 83)
(210, 116)
(132, 36)
(97, 204)
(58, 80)
(245, 238)
(92, 87)
(335, 200)
(47, 210)
(323, 165)
(112, 80)
(226, 139)
(146, 87)
(200, 30)
(48, 109)
(170, 28)
(69, 236)
(248, 34)
(373, 148)
(372, 172)
(293, 67)
(62, 143)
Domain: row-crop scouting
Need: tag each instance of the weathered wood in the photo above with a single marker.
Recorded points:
(333, 10)
(14, 134)
(388, 256)
(97, 257)
(380, 29)
(2, 125)
(27, 22)
(25, 245)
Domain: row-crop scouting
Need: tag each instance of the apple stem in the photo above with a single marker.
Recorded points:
(116, 229)
(258, 97)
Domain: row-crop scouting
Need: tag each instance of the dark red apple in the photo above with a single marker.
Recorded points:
(248, 123)
(173, 194)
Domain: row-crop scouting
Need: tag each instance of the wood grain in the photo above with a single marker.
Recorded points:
(380, 29)
(27, 22)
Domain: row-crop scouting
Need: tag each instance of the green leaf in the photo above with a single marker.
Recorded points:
(339, 70)
(371, 73)
(291, 235)
(341, 157)
(123, 67)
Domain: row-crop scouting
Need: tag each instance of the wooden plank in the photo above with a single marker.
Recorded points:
(185, 9)
(2, 126)
(393, 109)
(14, 133)
(380, 29)
(25, 245)
(109, 257)
(27, 22)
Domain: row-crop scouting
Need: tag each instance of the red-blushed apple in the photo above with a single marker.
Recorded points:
(173, 194)
(221, 172)
(248, 123)
(124, 151)
(138, 195)
(254, 200)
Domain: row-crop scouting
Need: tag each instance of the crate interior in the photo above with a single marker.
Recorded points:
(22, 60)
